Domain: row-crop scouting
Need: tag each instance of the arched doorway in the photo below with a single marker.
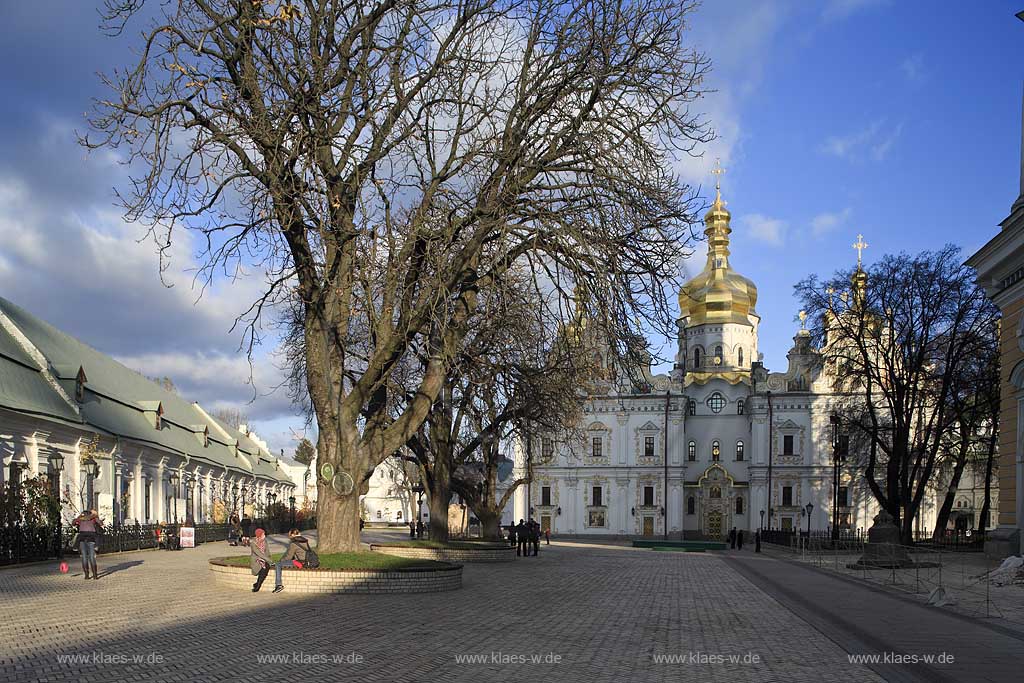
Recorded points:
(716, 493)
(714, 529)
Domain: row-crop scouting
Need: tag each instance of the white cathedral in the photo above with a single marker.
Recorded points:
(690, 458)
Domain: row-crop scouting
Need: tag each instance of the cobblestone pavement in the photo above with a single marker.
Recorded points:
(605, 613)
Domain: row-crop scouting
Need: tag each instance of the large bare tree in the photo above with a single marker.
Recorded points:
(903, 340)
(383, 162)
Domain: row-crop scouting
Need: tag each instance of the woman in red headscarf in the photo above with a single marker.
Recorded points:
(259, 559)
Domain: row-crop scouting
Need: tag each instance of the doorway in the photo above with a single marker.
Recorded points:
(545, 523)
(648, 526)
(715, 525)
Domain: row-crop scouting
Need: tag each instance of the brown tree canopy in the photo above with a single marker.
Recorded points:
(383, 162)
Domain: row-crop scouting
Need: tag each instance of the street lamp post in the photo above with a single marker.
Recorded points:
(291, 505)
(92, 471)
(762, 520)
(808, 508)
(174, 492)
(57, 464)
(234, 499)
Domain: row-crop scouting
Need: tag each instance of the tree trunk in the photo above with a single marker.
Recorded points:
(490, 523)
(983, 518)
(340, 533)
(942, 518)
(440, 499)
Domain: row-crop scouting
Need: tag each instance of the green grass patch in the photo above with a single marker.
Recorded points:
(354, 561)
(438, 545)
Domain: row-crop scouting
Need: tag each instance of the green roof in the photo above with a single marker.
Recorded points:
(117, 400)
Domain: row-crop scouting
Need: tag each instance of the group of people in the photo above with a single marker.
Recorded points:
(240, 532)
(525, 537)
(298, 555)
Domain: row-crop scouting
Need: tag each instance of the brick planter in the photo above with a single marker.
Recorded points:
(485, 553)
(412, 580)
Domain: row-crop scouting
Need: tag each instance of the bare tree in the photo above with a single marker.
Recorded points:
(900, 343)
(232, 417)
(383, 162)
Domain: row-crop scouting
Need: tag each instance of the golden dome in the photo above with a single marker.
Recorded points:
(718, 294)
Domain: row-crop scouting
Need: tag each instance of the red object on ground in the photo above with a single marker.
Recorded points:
(63, 567)
(296, 564)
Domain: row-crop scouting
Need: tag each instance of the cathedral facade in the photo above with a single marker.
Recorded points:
(719, 443)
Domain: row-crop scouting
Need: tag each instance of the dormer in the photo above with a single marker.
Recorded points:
(202, 433)
(80, 381)
(154, 412)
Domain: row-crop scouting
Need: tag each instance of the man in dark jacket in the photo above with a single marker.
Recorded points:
(739, 540)
(298, 550)
(521, 533)
(732, 538)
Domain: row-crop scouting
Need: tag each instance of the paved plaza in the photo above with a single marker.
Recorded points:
(587, 612)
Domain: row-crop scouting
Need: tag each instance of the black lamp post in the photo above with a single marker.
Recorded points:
(92, 471)
(174, 492)
(808, 508)
(57, 466)
(762, 520)
(291, 505)
(234, 499)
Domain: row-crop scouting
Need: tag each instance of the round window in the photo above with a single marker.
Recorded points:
(716, 402)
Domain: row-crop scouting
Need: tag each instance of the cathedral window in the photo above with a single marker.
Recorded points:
(716, 491)
(649, 496)
(696, 358)
(787, 444)
(739, 505)
(740, 407)
(691, 451)
(718, 355)
(648, 446)
(547, 449)
(545, 495)
(739, 450)
(596, 497)
(787, 495)
(691, 505)
(716, 402)
(844, 496)
(739, 357)
(716, 450)
(691, 408)
(596, 447)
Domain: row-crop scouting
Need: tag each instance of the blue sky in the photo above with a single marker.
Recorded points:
(898, 120)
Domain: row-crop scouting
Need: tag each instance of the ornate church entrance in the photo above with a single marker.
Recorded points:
(714, 524)
(716, 494)
(648, 526)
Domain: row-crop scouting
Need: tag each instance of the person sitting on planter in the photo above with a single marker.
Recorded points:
(259, 559)
(299, 555)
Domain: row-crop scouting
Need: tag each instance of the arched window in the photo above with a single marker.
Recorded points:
(716, 491)
(716, 451)
(739, 357)
(718, 355)
(691, 505)
(739, 450)
(740, 407)
(691, 451)
(696, 358)
(692, 408)
(739, 505)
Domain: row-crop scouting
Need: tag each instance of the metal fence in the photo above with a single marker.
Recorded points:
(20, 543)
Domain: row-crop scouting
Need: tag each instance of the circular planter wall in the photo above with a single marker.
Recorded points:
(485, 553)
(411, 580)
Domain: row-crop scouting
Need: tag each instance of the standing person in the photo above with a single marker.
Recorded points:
(412, 530)
(547, 536)
(732, 538)
(235, 531)
(739, 540)
(512, 534)
(246, 525)
(757, 541)
(259, 559)
(535, 536)
(89, 527)
(521, 547)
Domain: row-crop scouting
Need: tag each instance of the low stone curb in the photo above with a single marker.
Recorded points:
(411, 580)
(488, 553)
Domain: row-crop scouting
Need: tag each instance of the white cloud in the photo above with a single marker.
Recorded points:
(836, 10)
(825, 223)
(872, 142)
(913, 68)
(765, 229)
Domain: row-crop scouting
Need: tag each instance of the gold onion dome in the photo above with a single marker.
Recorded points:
(718, 294)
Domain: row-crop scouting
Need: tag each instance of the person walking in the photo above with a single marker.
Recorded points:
(521, 532)
(739, 540)
(89, 527)
(234, 531)
(259, 559)
(547, 536)
(732, 538)
(419, 528)
(757, 541)
(512, 534)
(535, 536)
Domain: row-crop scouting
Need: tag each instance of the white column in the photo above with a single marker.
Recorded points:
(159, 503)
